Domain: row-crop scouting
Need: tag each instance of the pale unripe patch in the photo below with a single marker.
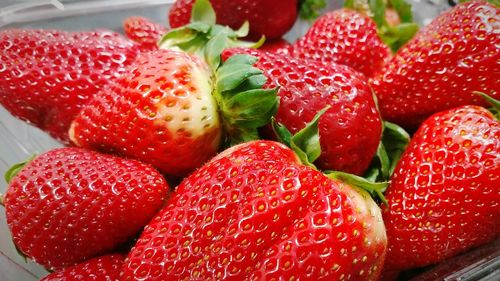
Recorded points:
(196, 112)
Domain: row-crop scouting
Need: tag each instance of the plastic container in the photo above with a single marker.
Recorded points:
(19, 141)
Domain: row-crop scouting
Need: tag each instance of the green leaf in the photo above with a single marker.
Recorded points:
(494, 103)
(396, 36)
(393, 36)
(376, 189)
(200, 27)
(175, 37)
(403, 9)
(349, 4)
(203, 12)
(243, 104)
(395, 140)
(243, 30)
(385, 163)
(310, 9)
(377, 8)
(12, 171)
(233, 76)
(214, 49)
(307, 139)
(246, 108)
(392, 145)
(283, 135)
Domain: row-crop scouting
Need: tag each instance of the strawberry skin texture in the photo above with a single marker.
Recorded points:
(350, 130)
(439, 69)
(267, 18)
(444, 195)
(47, 76)
(345, 37)
(70, 204)
(105, 268)
(144, 32)
(160, 112)
(254, 213)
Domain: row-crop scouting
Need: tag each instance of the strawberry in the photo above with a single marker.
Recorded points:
(161, 112)
(144, 32)
(358, 35)
(69, 204)
(105, 268)
(255, 213)
(47, 76)
(346, 37)
(444, 195)
(174, 109)
(165, 111)
(276, 46)
(271, 19)
(456, 54)
(350, 130)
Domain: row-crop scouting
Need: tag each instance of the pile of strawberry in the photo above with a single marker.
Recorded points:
(289, 159)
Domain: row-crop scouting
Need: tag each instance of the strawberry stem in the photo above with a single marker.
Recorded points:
(494, 103)
(376, 189)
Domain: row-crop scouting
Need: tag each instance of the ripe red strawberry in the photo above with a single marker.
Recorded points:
(444, 194)
(269, 18)
(170, 110)
(345, 37)
(47, 76)
(161, 112)
(440, 68)
(70, 204)
(105, 268)
(350, 130)
(144, 32)
(254, 213)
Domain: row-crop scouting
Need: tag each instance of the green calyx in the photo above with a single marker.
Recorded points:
(12, 171)
(243, 104)
(393, 36)
(238, 86)
(194, 37)
(495, 104)
(310, 9)
(392, 145)
(305, 143)
(376, 189)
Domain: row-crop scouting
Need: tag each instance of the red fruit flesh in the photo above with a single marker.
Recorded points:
(106, 268)
(160, 112)
(254, 213)
(269, 18)
(47, 77)
(444, 194)
(345, 37)
(445, 62)
(277, 46)
(144, 32)
(70, 204)
(350, 130)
